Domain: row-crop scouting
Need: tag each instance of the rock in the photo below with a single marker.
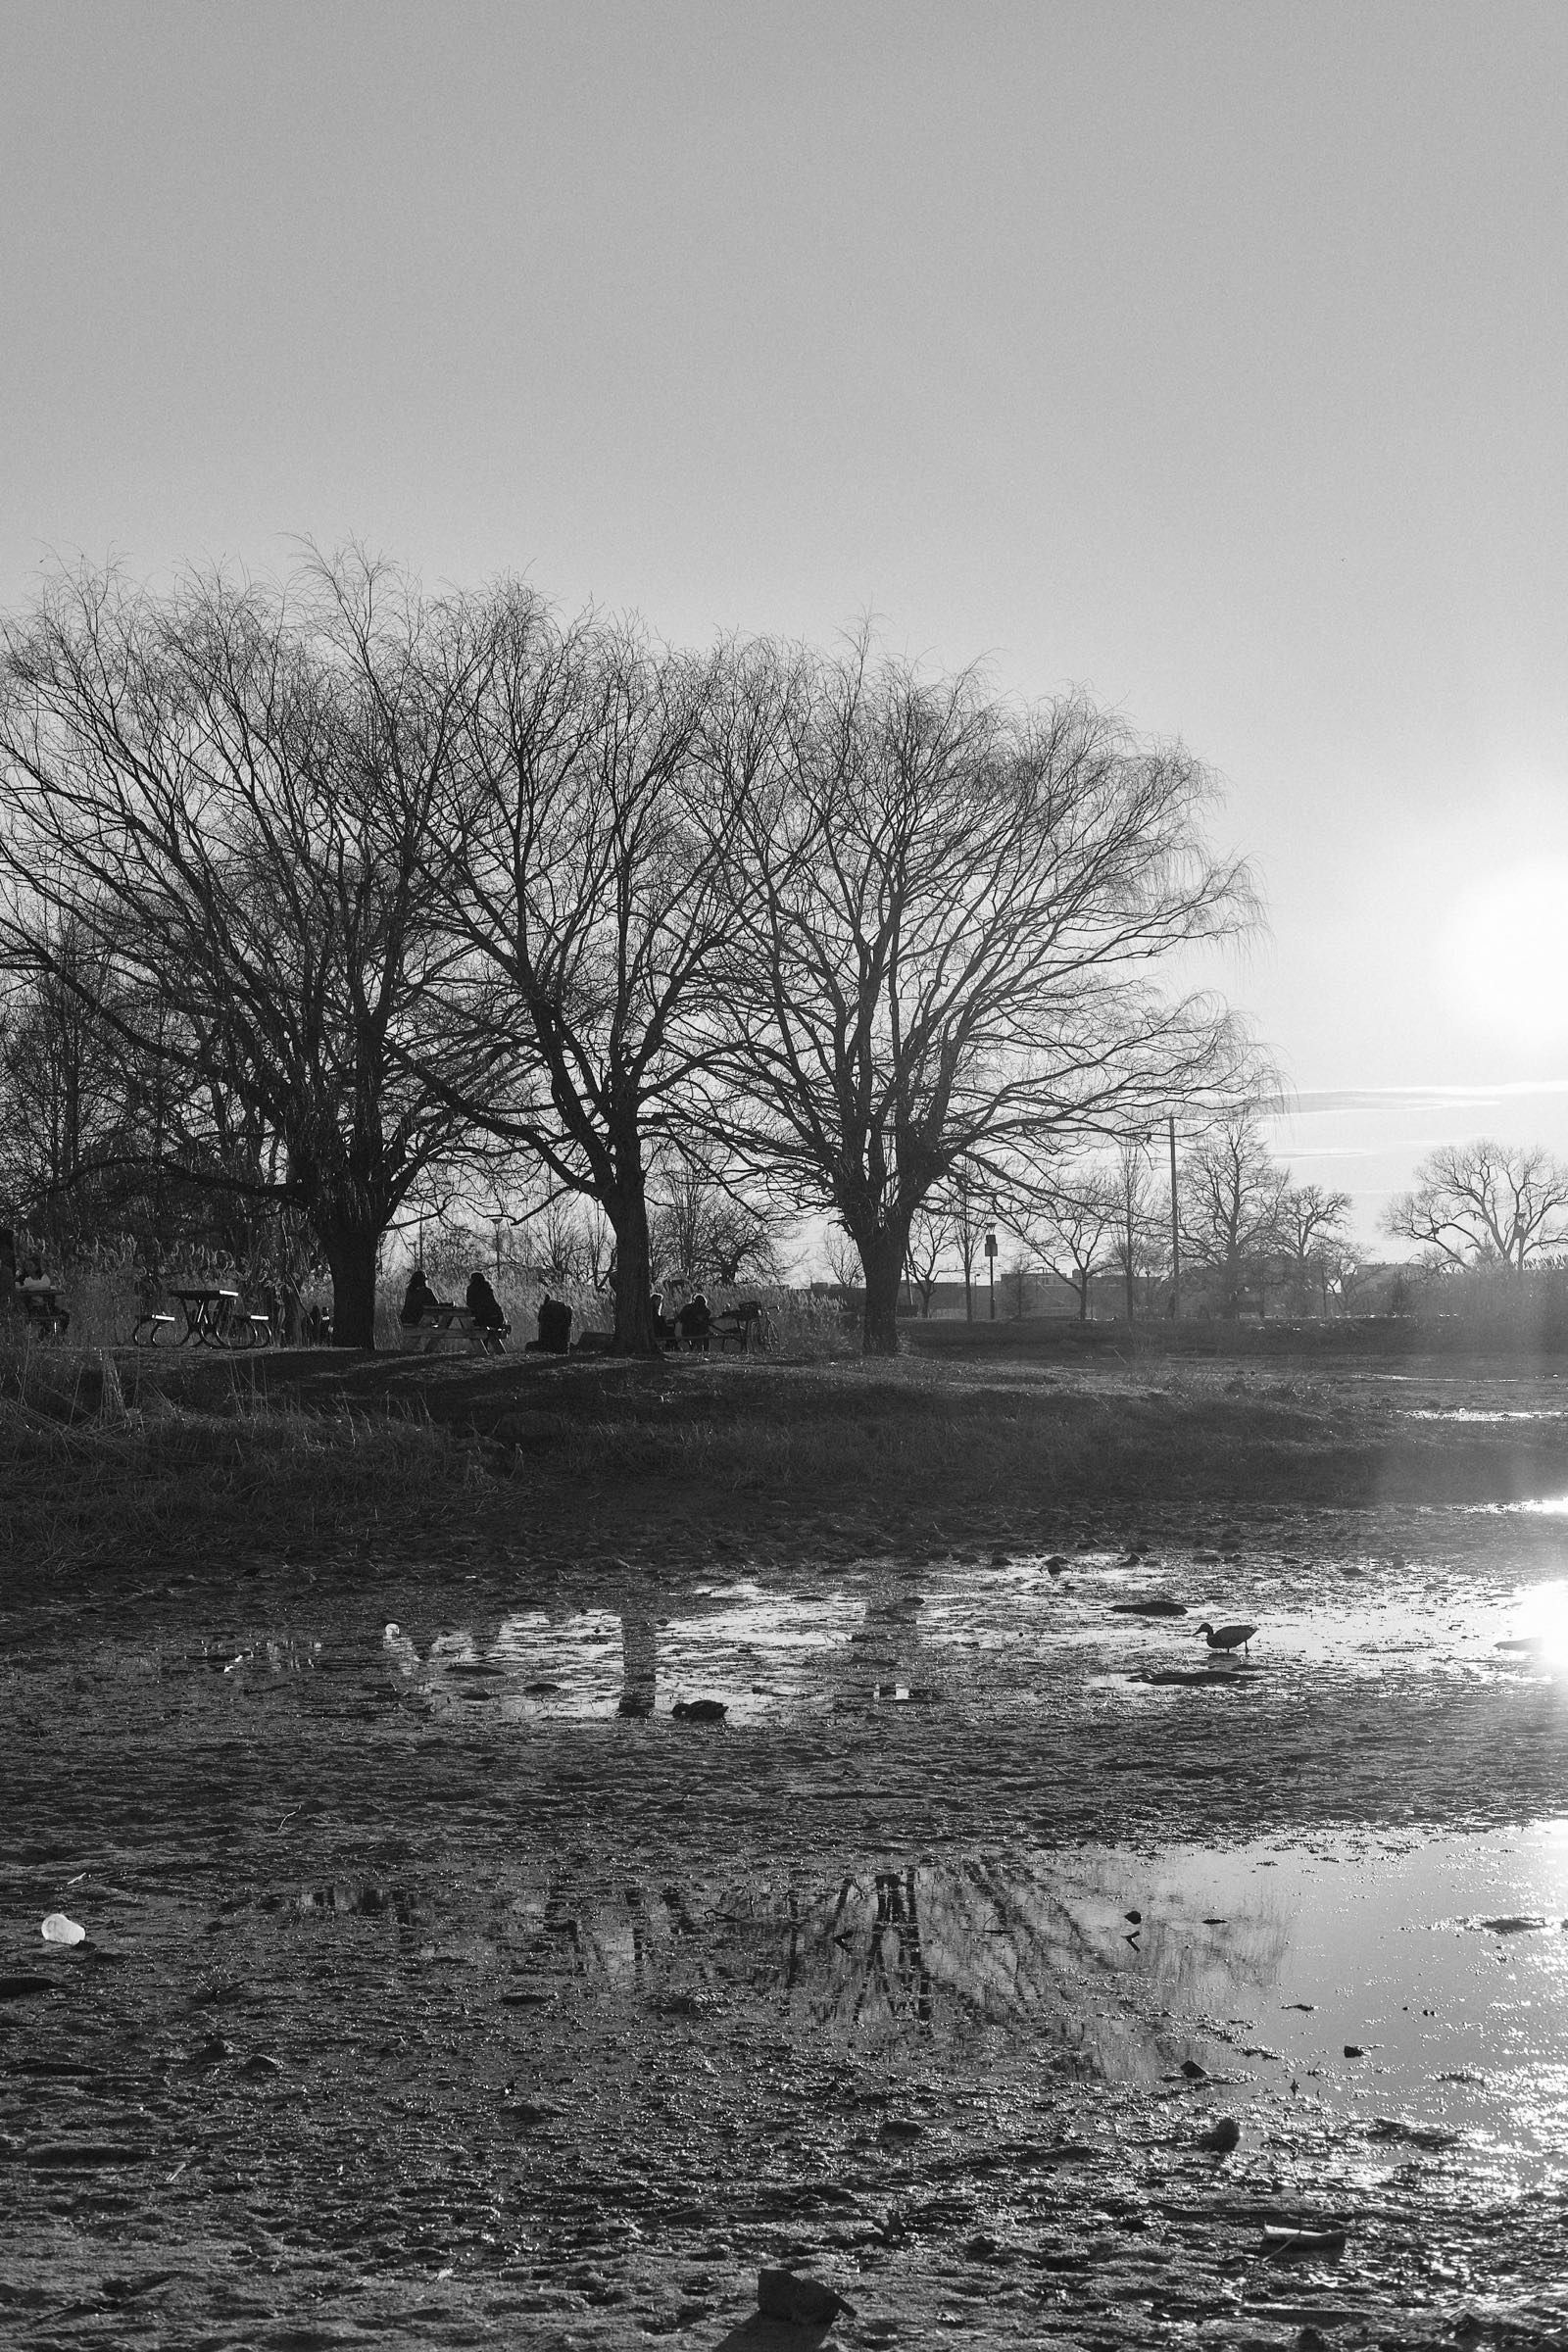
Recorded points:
(1224, 2136)
(58, 1929)
(260, 2064)
(1056, 1564)
(528, 2114)
(699, 1710)
(19, 1983)
(1194, 2071)
(1353, 2049)
(805, 2302)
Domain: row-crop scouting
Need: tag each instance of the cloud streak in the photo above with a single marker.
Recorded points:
(1312, 1102)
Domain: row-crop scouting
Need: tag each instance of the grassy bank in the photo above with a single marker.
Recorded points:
(144, 1464)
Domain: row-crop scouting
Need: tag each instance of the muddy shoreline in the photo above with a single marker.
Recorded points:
(419, 2004)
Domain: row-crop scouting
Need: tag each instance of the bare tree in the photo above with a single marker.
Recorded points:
(586, 894)
(232, 799)
(703, 1229)
(1072, 1228)
(949, 919)
(1138, 1224)
(843, 1259)
(1485, 1201)
(1230, 1188)
(930, 1237)
(1311, 1232)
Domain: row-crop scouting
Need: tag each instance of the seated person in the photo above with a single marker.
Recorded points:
(483, 1305)
(664, 1325)
(39, 1293)
(695, 1319)
(555, 1328)
(418, 1300)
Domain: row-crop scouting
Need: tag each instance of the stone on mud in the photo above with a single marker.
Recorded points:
(805, 2302)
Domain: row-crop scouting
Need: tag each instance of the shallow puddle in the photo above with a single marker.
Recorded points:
(1109, 1630)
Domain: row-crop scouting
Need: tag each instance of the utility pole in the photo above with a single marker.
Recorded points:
(1175, 1233)
(990, 1268)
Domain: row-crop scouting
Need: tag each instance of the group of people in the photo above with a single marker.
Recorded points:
(420, 1306)
(690, 1323)
(687, 1325)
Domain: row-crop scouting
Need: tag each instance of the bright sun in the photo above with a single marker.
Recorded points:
(1504, 956)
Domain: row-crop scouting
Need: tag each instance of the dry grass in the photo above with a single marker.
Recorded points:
(148, 1463)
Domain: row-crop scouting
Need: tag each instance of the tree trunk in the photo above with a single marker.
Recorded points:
(351, 1255)
(881, 1260)
(634, 1275)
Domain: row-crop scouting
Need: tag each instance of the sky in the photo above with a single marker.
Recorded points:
(1208, 357)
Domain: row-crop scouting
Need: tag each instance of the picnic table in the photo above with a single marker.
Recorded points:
(436, 1321)
(214, 1317)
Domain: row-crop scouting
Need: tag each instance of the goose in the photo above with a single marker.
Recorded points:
(1228, 1637)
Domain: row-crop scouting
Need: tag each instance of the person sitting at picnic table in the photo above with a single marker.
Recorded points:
(483, 1305)
(44, 1288)
(418, 1300)
(696, 1321)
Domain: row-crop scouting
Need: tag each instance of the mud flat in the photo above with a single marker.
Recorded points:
(440, 1984)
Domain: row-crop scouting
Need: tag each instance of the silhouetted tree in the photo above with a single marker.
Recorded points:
(949, 919)
(1230, 1188)
(1485, 1200)
(230, 798)
(586, 896)
(1312, 1236)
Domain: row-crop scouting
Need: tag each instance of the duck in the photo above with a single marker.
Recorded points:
(1228, 1637)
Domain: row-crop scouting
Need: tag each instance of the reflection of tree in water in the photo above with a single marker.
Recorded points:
(987, 1940)
(1038, 1946)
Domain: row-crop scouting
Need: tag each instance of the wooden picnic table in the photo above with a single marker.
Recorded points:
(443, 1317)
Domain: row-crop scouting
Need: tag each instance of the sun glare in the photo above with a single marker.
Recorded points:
(1543, 1623)
(1504, 954)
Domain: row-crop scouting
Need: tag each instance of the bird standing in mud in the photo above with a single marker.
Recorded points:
(1228, 1638)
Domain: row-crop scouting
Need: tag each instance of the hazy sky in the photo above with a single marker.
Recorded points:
(1209, 356)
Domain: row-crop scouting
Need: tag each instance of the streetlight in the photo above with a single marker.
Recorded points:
(1175, 1232)
(991, 1266)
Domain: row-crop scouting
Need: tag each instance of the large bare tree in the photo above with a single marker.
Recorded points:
(952, 923)
(1474, 1202)
(231, 793)
(585, 897)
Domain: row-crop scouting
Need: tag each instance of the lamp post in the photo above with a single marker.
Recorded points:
(991, 1267)
(1175, 1232)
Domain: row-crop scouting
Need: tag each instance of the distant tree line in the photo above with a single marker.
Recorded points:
(323, 903)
